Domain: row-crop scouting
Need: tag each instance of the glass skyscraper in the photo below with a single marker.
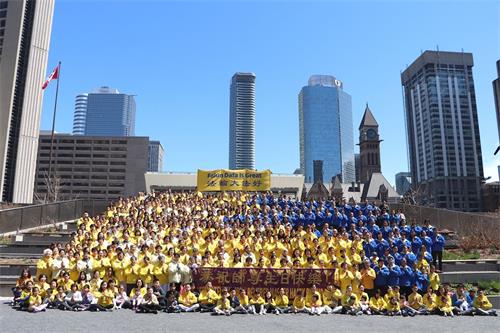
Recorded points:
(325, 129)
(242, 122)
(104, 112)
(443, 131)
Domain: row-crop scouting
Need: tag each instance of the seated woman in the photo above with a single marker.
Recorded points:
(122, 300)
(208, 298)
(392, 308)
(35, 302)
(257, 303)
(270, 303)
(150, 303)
(139, 285)
(377, 303)
(482, 305)
(443, 303)
(317, 307)
(24, 293)
(73, 298)
(350, 303)
(223, 306)
(282, 302)
(105, 297)
(188, 302)
(299, 303)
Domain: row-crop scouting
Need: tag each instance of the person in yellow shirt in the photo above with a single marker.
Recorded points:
(429, 301)
(377, 303)
(331, 296)
(35, 301)
(188, 302)
(299, 303)
(146, 270)
(350, 303)
(282, 302)
(415, 300)
(345, 277)
(257, 303)
(139, 285)
(105, 297)
(443, 303)
(223, 306)
(208, 298)
(434, 280)
(317, 307)
(118, 266)
(392, 307)
(310, 293)
(482, 305)
(131, 272)
(44, 264)
(368, 276)
(244, 301)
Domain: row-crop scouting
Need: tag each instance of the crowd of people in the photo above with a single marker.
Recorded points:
(141, 252)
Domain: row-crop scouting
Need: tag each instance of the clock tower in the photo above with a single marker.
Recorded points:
(369, 146)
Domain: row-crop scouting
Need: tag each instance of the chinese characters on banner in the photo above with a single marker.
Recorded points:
(233, 180)
(263, 277)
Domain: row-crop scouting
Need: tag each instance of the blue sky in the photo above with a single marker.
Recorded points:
(178, 58)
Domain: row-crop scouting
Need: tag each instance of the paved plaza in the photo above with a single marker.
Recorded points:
(127, 321)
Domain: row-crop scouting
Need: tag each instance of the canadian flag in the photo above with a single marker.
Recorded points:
(52, 76)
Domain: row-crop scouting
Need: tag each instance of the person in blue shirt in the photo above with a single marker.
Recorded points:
(382, 276)
(437, 250)
(416, 242)
(406, 279)
(462, 302)
(410, 257)
(426, 240)
(382, 245)
(394, 273)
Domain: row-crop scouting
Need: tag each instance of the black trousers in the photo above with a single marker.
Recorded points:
(147, 308)
(437, 256)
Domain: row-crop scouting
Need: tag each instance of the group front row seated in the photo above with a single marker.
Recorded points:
(108, 296)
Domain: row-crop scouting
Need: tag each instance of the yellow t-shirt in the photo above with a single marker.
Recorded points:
(187, 298)
(282, 301)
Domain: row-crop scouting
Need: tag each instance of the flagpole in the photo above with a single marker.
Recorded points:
(53, 126)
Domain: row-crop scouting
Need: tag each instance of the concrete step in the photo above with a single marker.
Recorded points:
(469, 277)
(16, 269)
(469, 267)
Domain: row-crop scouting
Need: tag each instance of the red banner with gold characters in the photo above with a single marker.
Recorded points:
(263, 277)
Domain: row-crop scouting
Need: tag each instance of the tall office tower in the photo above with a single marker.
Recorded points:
(25, 28)
(80, 116)
(403, 182)
(357, 166)
(442, 130)
(369, 146)
(242, 122)
(325, 129)
(108, 113)
(496, 91)
(155, 156)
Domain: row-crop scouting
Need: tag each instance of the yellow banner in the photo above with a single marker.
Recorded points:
(233, 180)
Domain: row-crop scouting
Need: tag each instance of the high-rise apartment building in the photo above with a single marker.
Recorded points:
(442, 130)
(325, 129)
(80, 115)
(155, 156)
(97, 167)
(403, 182)
(104, 112)
(242, 122)
(25, 29)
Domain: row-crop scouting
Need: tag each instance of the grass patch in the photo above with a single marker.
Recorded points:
(448, 255)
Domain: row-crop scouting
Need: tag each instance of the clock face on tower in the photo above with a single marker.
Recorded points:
(371, 134)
